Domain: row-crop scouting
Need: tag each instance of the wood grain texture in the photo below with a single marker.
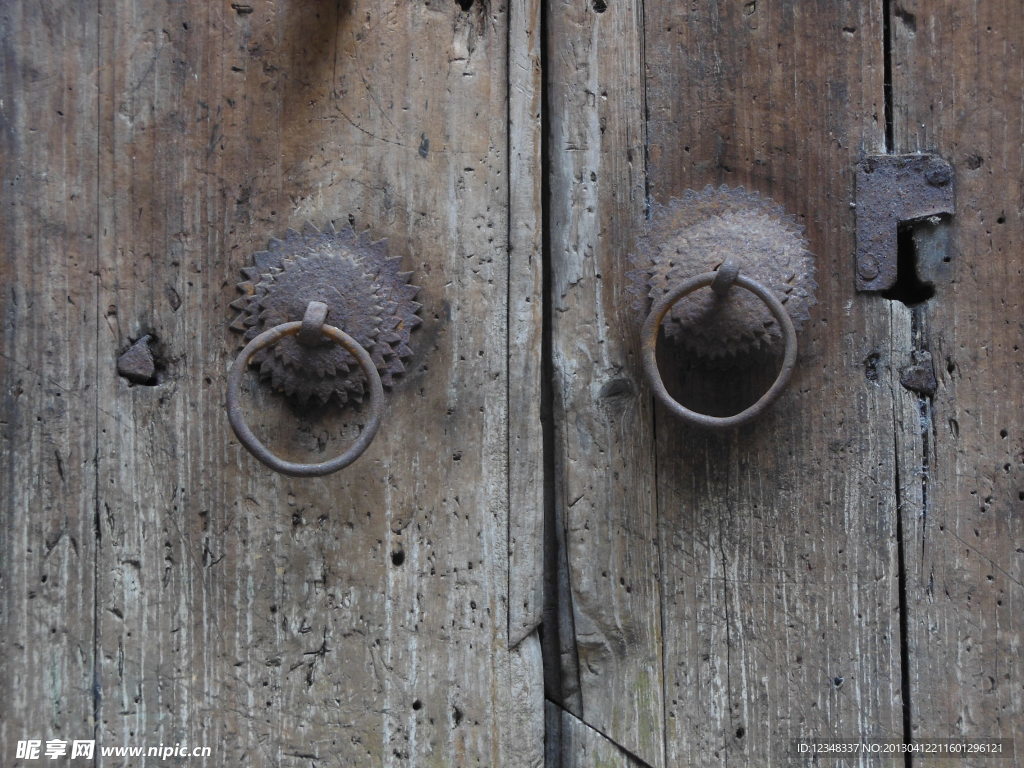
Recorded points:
(525, 325)
(778, 541)
(776, 549)
(711, 597)
(604, 460)
(360, 619)
(574, 744)
(958, 76)
(48, 132)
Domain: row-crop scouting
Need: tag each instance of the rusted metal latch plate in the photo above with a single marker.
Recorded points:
(893, 189)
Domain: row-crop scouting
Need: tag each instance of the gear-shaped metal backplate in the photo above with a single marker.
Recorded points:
(366, 295)
(693, 235)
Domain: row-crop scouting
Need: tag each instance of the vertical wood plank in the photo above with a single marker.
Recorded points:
(526, 731)
(525, 324)
(958, 75)
(48, 363)
(778, 541)
(603, 432)
(361, 618)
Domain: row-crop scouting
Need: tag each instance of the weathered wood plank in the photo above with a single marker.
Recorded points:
(958, 75)
(360, 619)
(778, 541)
(48, 365)
(526, 742)
(575, 744)
(525, 324)
(603, 431)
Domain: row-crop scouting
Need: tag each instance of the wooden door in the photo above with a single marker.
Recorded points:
(160, 585)
(533, 564)
(849, 566)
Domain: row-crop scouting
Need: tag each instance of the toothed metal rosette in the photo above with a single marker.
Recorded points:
(694, 235)
(722, 239)
(366, 296)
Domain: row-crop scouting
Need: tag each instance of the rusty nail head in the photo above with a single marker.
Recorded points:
(867, 267)
(940, 176)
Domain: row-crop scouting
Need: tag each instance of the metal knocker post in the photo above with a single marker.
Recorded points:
(327, 317)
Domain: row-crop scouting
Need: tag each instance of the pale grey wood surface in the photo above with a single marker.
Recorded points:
(48, 369)
(707, 599)
(766, 600)
(784, 549)
(780, 547)
(360, 619)
(525, 324)
(778, 542)
(603, 438)
(572, 742)
(957, 86)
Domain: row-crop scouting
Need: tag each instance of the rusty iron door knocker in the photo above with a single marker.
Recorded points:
(722, 238)
(327, 316)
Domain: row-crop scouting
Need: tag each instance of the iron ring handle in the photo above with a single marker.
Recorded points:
(649, 341)
(252, 444)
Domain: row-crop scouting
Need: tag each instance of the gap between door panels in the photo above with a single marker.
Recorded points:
(924, 403)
